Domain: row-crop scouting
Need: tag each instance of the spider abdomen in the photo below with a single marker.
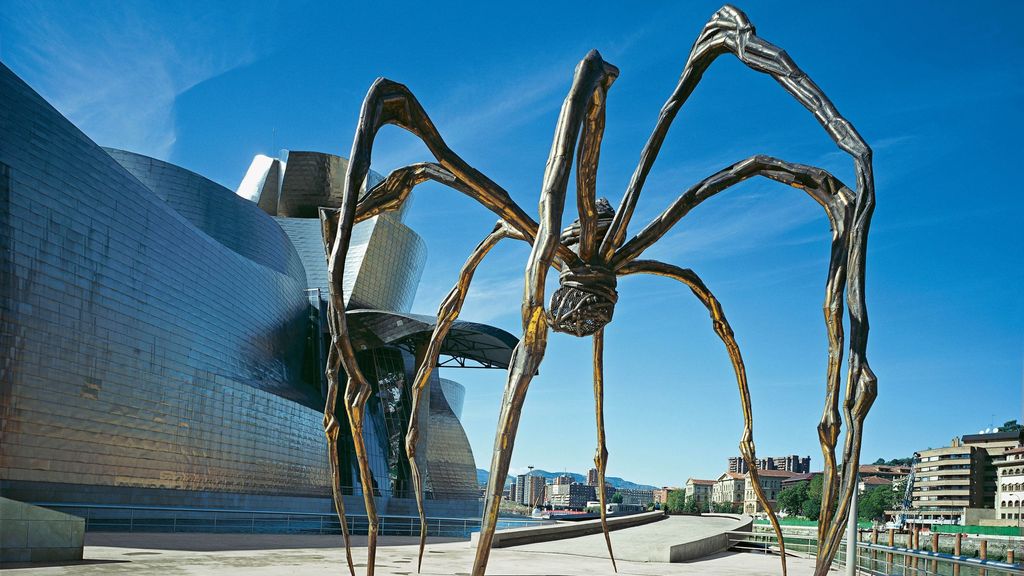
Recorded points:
(584, 301)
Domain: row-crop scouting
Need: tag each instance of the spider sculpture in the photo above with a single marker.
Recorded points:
(593, 252)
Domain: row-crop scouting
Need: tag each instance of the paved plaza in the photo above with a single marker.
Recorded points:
(290, 555)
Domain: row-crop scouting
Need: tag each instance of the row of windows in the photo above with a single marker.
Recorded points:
(1014, 487)
(1013, 471)
(1010, 504)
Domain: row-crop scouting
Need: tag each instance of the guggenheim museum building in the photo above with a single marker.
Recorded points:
(163, 338)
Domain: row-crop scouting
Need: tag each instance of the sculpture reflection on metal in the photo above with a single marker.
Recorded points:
(592, 252)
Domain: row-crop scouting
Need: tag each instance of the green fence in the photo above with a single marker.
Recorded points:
(808, 523)
(988, 530)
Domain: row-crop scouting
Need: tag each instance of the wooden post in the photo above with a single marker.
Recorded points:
(874, 553)
(1009, 555)
(957, 542)
(889, 556)
(982, 554)
(916, 542)
(935, 548)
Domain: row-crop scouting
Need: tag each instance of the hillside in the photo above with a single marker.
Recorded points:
(614, 481)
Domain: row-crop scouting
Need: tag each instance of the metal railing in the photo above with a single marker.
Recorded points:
(878, 559)
(107, 518)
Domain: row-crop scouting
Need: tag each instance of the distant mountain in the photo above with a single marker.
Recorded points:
(614, 481)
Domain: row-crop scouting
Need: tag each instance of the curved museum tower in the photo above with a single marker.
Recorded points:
(163, 337)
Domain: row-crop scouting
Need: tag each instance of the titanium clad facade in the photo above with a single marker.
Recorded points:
(140, 351)
(161, 346)
(452, 469)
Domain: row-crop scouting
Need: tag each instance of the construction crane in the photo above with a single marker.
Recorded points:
(905, 505)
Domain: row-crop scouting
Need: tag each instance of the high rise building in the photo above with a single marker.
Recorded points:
(522, 489)
(592, 477)
(537, 492)
(573, 496)
(791, 463)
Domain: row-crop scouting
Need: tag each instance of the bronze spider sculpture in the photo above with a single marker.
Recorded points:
(593, 252)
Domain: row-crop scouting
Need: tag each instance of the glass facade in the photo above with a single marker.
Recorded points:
(159, 342)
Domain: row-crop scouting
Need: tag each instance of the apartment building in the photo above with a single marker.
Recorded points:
(571, 496)
(1010, 488)
(700, 491)
(728, 488)
(948, 482)
(771, 484)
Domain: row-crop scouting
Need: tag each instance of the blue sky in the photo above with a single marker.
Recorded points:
(937, 89)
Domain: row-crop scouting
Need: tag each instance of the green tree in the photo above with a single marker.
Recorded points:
(676, 502)
(617, 498)
(791, 500)
(1010, 426)
(872, 504)
(690, 506)
(812, 505)
(721, 507)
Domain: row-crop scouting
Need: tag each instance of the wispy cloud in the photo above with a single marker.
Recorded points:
(480, 110)
(489, 112)
(118, 81)
(489, 298)
(737, 224)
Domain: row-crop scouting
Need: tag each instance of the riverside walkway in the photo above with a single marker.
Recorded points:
(289, 555)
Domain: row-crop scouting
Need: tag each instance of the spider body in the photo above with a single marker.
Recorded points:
(593, 252)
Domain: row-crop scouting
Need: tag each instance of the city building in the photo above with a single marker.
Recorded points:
(948, 482)
(960, 484)
(563, 479)
(522, 489)
(700, 492)
(592, 477)
(572, 496)
(799, 479)
(536, 491)
(995, 445)
(729, 488)
(771, 485)
(871, 482)
(890, 473)
(511, 492)
(661, 494)
(165, 337)
(1010, 490)
(791, 463)
(636, 496)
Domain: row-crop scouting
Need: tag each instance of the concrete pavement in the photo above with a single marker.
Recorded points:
(291, 555)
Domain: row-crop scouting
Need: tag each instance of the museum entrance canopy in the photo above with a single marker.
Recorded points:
(468, 345)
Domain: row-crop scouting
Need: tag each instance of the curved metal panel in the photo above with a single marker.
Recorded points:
(140, 352)
(220, 213)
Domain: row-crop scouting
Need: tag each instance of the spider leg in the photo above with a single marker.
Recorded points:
(849, 215)
(389, 102)
(724, 331)
(446, 316)
(357, 389)
(587, 155)
(729, 30)
(601, 456)
(526, 358)
(332, 430)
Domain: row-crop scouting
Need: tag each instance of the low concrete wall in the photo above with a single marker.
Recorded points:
(709, 545)
(562, 530)
(33, 534)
